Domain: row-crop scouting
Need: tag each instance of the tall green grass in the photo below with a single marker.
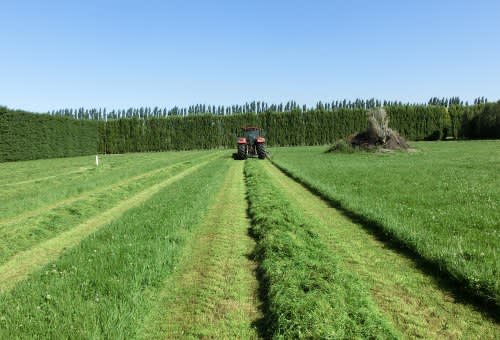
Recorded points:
(441, 201)
(104, 287)
(308, 293)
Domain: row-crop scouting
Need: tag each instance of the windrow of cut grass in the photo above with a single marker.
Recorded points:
(103, 287)
(44, 169)
(127, 183)
(417, 304)
(19, 235)
(47, 186)
(308, 294)
(212, 294)
(24, 262)
(442, 202)
(46, 178)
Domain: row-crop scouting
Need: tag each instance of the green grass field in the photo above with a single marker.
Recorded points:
(442, 201)
(196, 245)
(103, 286)
(309, 294)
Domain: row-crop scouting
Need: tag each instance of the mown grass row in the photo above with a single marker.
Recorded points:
(417, 304)
(104, 287)
(307, 291)
(213, 292)
(19, 236)
(442, 202)
(29, 195)
(20, 171)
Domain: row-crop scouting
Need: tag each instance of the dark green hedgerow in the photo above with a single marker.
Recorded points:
(30, 136)
(308, 294)
(24, 136)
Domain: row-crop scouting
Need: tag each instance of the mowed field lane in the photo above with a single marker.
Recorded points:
(213, 292)
(197, 245)
(441, 201)
(105, 284)
(32, 187)
(33, 226)
(25, 262)
(417, 304)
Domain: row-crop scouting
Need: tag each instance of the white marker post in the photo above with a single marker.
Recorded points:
(96, 160)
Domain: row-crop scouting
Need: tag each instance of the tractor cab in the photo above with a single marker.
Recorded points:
(251, 143)
(252, 133)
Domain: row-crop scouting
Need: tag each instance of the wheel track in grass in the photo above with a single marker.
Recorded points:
(213, 292)
(24, 216)
(18, 267)
(414, 301)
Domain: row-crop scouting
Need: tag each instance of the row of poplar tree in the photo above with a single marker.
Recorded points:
(24, 135)
(312, 127)
(249, 107)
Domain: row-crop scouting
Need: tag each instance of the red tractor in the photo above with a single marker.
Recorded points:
(251, 144)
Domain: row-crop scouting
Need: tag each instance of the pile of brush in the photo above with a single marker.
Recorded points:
(378, 136)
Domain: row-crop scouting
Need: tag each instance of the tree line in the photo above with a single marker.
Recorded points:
(24, 135)
(317, 126)
(249, 107)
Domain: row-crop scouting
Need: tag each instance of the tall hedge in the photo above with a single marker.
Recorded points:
(25, 136)
(210, 131)
(483, 123)
(29, 136)
(313, 127)
(480, 121)
(419, 122)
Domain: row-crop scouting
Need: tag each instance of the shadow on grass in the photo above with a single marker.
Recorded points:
(264, 324)
(459, 289)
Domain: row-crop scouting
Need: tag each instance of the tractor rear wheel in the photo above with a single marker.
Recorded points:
(261, 150)
(242, 151)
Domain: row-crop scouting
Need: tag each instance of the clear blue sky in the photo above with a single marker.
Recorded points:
(118, 54)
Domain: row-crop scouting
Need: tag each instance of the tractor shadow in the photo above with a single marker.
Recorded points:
(458, 289)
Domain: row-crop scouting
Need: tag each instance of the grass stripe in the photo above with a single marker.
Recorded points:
(213, 293)
(309, 292)
(103, 287)
(23, 263)
(442, 203)
(41, 179)
(21, 217)
(415, 302)
(15, 201)
(22, 236)
(22, 170)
